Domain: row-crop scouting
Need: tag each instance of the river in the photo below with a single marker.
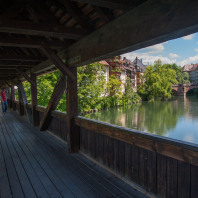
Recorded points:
(177, 118)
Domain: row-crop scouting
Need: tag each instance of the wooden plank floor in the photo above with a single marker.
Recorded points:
(35, 164)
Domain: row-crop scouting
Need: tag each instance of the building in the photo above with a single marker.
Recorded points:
(140, 69)
(124, 69)
(192, 70)
(193, 74)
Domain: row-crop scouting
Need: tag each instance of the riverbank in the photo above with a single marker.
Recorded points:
(176, 118)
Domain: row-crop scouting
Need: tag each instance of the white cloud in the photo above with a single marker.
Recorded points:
(155, 49)
(196, 50)
(148, 58)
(150, 54)
(192, 59)
(173, 55)
(189, 37)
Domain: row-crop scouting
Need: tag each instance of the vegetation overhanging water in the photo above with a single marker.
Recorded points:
(176, 118)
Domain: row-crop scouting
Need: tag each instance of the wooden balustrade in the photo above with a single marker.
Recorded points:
(57, 126)
(163, 166)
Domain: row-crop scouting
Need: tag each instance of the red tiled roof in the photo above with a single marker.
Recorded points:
(103, 62)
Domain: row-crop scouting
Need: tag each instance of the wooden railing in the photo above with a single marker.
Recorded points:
(57, 125)
(163, 166)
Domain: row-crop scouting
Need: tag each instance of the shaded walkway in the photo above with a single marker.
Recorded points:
(35, 164)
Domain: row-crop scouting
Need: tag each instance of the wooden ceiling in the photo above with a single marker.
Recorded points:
(26, 25)
(84, 31)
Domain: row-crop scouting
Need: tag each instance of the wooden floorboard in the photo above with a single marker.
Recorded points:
(36, 164)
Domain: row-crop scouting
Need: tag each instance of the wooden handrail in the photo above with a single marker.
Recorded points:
(56, 114)
(180, 150)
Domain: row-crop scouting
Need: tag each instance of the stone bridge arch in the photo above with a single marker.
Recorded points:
(187, 89)
(178, 90)
(182, 89)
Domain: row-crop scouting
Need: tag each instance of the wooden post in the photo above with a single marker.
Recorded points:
(23, 101)
(11, 97)
(21, 106)
(73, 135)
(8, 96)
(35, 113)
(53, 103)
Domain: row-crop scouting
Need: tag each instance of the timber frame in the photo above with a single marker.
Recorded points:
(40, 36)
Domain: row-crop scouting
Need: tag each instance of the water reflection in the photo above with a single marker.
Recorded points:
(176, 118)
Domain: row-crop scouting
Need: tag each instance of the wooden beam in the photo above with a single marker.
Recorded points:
(75, 12)
(21, 105)
(54, 100)
(32, 42)
(14, 57)
(33, 83)
(112, 4)
(12, 9)
(15, 62)
(151, 23)
(5, 74)
(35, 113)
(12, 97)
(41, 29)
(146, 25)
(73, 131)
(23, 102)
(57, 61)
(11, 67)
(39, 13)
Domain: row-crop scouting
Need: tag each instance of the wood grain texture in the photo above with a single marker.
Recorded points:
(72, 111)
(54, 100)
(179, 150)
(35, 113)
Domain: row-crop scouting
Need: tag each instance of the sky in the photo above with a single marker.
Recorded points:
(181, 51)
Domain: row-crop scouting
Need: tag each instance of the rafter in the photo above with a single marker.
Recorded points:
(15, 57)
(57, 61)
(14, 63)
(112, 4)
(32, 42)
(40, 29)
(26, 77)
(75, 12)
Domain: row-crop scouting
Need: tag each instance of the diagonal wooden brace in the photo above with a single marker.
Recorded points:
(23, 100)
(53, 103)
(26, 77)
(57, 61)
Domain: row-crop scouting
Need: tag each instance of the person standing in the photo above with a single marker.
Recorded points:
(4, 101)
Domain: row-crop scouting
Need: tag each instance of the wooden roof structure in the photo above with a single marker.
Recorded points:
(83, 31)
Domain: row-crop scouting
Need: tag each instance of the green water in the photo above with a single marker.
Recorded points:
(176, 119)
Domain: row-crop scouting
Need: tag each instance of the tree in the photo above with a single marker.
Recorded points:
(178, 70)
(128, 90)
(45, 87)
(91, 81)
(158, 81)
(186, 78)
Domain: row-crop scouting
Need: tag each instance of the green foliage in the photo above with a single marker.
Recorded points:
(93, 90)
(186, 78)
(130, 96)
(158, 80)
(27, 87)
(178, 70)
(91, 81)
(45, 86)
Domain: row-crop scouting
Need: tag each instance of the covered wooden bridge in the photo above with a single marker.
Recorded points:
(89, 158)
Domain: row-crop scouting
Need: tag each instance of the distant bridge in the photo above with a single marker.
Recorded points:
(182, 89)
